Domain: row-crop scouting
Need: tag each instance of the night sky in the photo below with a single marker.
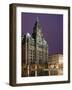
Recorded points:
(52, 28)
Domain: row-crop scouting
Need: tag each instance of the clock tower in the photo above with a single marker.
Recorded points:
(38, 37)
(35, 49)
(37, 32)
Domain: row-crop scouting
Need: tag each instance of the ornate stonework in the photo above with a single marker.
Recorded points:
(34, 47)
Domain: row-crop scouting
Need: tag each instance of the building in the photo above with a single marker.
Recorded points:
(35, 58)
(55, 64)
(34, 47)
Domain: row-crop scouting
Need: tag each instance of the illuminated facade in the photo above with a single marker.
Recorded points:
(55, 64)
(35, 58)
(34, 47)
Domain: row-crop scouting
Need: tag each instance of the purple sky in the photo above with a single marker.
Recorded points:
(52, 28)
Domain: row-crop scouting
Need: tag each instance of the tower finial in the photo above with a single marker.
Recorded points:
(37, 19)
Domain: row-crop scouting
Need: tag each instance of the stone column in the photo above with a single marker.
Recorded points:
(28, 70)
(35, 69)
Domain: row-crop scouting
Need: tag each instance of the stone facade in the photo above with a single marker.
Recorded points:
(34, 47)
(55, 64)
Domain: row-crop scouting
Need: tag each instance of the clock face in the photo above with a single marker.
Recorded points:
(39, 40)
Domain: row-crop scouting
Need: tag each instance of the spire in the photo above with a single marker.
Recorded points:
(37, 19)
(37, 24)
(37, 28)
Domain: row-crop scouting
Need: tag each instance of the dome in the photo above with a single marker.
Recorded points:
(28, 35)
